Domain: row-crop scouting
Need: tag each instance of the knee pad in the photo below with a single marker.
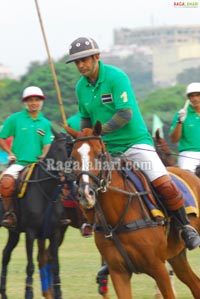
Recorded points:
(7, 185)
(170, 194)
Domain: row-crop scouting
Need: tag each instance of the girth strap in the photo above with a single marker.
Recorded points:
(132, 226)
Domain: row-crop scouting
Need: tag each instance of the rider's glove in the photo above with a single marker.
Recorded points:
(182, 115)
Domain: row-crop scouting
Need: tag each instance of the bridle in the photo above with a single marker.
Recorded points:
(103, 179)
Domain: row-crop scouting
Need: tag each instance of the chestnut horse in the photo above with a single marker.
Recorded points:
(126, 235)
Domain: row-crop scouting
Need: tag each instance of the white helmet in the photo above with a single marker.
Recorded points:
(193, 87)
(32, 91)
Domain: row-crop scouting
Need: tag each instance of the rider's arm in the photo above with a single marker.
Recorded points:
(45, 151)
(119, 119)
(4, 146)
(176, 133)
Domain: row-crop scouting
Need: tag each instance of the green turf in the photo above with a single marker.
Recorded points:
(79, 262)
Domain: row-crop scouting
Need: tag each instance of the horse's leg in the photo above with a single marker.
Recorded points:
(121, 284)
(13, 240)
(30, 265)
(102, 280)
(45, 271)
(161, 276)
(53, 250)
(158, 294)
(185, 273)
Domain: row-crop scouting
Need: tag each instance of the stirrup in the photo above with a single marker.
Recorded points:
(9, 220)
(190, 236)
(86, 230)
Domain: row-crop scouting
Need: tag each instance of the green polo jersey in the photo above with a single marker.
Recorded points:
(190, 134)
(112, 92)
(74, 121)
(30, 135)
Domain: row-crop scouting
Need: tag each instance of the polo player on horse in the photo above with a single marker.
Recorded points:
(32, 138)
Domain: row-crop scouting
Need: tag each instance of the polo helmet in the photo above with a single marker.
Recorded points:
(32, 91)
(193, 87)
(82, 47)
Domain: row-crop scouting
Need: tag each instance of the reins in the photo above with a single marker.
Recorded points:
(105, 176)
(49, 177)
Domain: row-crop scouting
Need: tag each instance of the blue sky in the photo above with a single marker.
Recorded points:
(22, 41)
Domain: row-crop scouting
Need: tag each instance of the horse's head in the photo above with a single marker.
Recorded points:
(89, 158)
(58, 156)
(163, 150)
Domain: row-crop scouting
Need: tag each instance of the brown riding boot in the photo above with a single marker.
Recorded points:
(174, 202)
(7, 188)
(9, 217)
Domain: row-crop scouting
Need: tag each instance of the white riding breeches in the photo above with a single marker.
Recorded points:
(145, 157)
(14, 170)
(189, 160)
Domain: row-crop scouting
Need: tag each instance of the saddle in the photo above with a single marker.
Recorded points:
(152, 200)
(142, 183)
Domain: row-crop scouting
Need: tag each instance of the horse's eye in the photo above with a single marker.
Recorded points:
(97, 156)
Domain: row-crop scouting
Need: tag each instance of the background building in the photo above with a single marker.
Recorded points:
(173, 49)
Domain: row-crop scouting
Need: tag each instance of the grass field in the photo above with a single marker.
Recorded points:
(80, 262)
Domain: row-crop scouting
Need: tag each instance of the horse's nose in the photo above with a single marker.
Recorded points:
(81, 193)
(91, 192)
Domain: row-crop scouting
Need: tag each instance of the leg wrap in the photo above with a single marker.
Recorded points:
(171, 196)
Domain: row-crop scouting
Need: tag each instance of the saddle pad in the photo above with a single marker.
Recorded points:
(25, 183)
(191, 203)
(154, 209)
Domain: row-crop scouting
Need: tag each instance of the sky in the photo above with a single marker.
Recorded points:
(22, 42)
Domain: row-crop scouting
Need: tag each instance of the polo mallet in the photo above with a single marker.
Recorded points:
(187, 102)
(60, 102)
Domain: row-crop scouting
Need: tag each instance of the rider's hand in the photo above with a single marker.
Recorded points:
(40, 158)
(11, 159)
(182, 115)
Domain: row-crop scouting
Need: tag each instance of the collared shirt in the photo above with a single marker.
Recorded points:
(29, 135)
(112, 92)
(74, 122)
(190, 134)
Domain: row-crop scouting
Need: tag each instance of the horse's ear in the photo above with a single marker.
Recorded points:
(55, 133)
(71, 131)
(97, 128)
(157, 134)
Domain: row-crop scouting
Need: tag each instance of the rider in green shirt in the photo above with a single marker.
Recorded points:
(105, 94)
(32, 137)
(185, 129)
(97, 102)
